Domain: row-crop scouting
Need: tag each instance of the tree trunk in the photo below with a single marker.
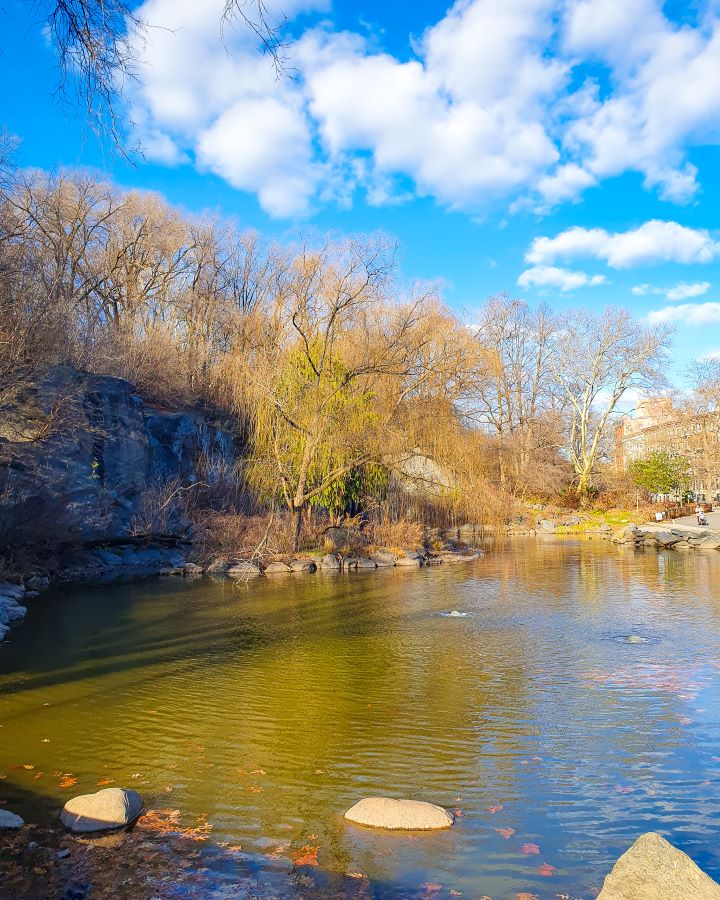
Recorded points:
(297, 527)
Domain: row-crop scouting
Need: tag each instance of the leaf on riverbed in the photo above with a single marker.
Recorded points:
(306, 856)
(546, 870)
(530, 850)
(505, 832)
(495, 809)
(104, 781)
(355, 875)
(68, 781)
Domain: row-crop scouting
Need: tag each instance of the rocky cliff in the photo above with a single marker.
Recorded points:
(82, 456)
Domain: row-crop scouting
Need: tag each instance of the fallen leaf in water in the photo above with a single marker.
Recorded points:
(46, 740)
(28, 765)
(68, 781)
(546, 870)
(458, 813)
(135, 775)
(104, 781)
(306, 856)
(355, 875)
(684, 720)
(530, 849)
(235, 848)
(505, 832)
(431, 887)
(39, 775)
(320, 772)
(525, 896)
(454, 893)
(495, 809)
(258, 772)
(624, 789)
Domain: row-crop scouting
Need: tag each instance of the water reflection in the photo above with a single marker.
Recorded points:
(274, 707)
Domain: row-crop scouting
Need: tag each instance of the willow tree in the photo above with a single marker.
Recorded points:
(331, 365)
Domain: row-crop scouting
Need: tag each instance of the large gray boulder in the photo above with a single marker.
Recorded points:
(399, 815)
(101, 811)
(277, 568)
(244, 569)
(383, 559)
(408, 561)
(364, 562)
(652, 869)
(10, 820)
(303, 565)
(667, 538)
(330, 561)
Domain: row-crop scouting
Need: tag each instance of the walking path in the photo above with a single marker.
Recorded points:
(713, 520)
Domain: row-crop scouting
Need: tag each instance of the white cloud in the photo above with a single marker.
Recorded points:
(652, 242)
(492, 105)
(687, 314)
(684, 291)
(563, 279)
(680, 291)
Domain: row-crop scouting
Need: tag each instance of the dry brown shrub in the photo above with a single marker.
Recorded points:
(402, 533)
(238, 536)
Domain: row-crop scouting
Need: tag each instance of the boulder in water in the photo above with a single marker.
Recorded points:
(277, 568)
(330, 561)
(10, 820)
(101, 811)
(303, 565)
(653, 868)
(244, 569)
(399, 815)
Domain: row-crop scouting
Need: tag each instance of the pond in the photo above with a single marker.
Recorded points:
(575, 706)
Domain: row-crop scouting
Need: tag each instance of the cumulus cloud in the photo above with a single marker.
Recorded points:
(653, 242)
(496, 102)
(687, 313)
(563, 279)
(680, 291)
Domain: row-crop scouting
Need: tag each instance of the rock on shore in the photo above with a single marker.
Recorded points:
(399, 815)
(653, 868)
(102, 811)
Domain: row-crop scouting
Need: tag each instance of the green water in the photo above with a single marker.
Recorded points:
(273, 707)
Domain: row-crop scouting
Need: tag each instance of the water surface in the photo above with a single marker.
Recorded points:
(267, 710)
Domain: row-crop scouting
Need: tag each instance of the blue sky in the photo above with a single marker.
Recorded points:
(565, 152)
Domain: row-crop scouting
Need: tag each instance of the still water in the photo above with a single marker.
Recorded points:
(271, 708)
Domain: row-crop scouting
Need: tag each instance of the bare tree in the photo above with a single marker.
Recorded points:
(596, 359)
(518, 400)
(94, 41)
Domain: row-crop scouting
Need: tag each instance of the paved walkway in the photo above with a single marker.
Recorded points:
(713, 520)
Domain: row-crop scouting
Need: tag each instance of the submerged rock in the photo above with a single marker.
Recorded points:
(401, 815)
(653, 868)
(10, 820)
(101, 811)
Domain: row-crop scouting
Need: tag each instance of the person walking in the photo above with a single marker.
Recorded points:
(700, 513)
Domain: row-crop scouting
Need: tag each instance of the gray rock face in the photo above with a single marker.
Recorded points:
(104, 810)
(10, 820)
(90, 481)
(330, 561)
(399, 815)
(652, 868)
(365, 562)
(244, 569)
